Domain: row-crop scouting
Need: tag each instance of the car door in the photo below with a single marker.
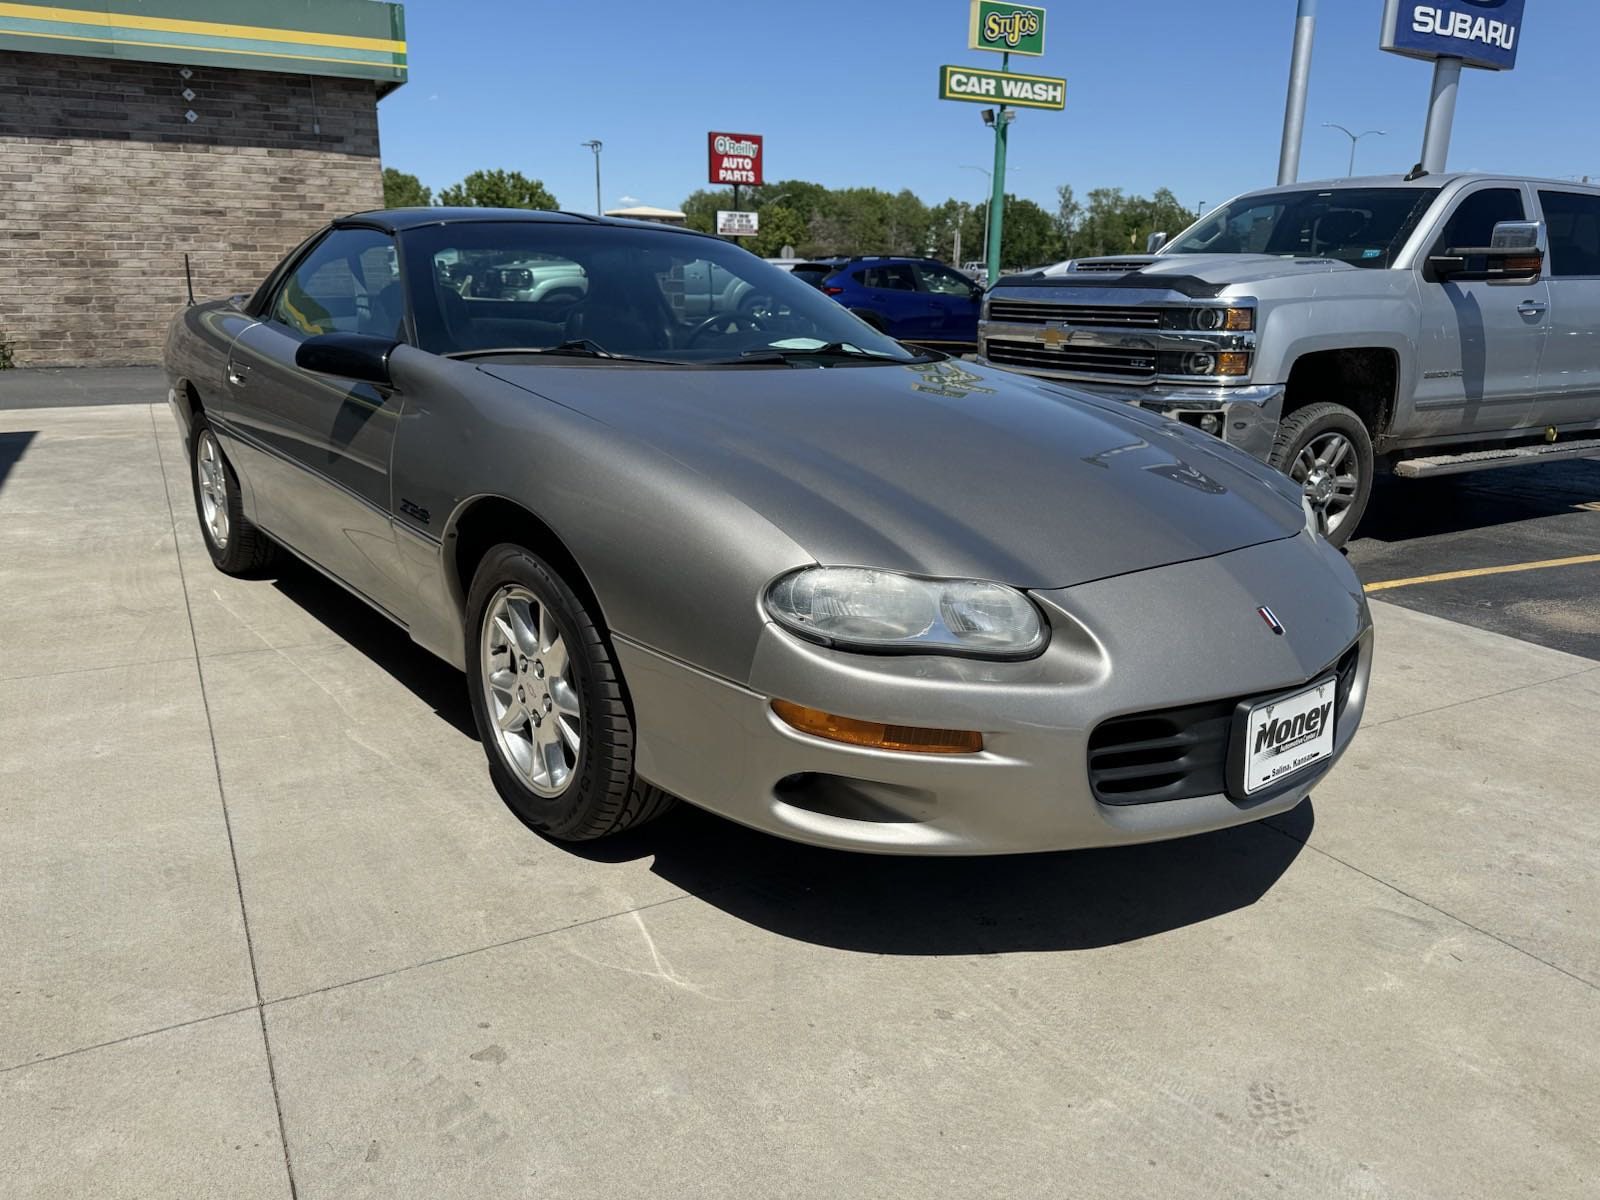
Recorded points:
(1569, 376)
(1480, 344)
(319, 448)
(894, 294)
(956, 301)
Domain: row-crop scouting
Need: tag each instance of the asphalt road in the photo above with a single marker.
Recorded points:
(1487, 520)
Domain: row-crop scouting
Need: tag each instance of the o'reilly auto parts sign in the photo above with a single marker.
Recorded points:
(735, 157)
(1483, 33)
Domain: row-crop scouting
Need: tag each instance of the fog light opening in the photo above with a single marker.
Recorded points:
(876, 735)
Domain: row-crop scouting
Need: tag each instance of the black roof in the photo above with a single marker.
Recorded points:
(393, 220)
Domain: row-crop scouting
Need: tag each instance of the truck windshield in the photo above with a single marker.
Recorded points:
(1365, 227)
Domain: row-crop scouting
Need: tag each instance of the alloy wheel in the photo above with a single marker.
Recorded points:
(213, 482)
(530, 690)
(1326, 470)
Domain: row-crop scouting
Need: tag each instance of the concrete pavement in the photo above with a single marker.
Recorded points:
(269, 932)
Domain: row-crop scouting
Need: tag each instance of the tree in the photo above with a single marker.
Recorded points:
(1030, 238)
(404, 191)
(498, 189)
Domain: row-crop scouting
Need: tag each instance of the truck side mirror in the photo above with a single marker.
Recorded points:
(1155, 242)
(1512, 255)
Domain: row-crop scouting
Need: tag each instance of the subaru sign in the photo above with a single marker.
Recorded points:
(1482, 33)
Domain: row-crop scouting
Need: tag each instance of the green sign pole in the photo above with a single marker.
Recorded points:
(997, 200)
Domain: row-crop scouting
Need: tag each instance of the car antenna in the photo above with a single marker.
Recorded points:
(188, 277)
(1416, 173)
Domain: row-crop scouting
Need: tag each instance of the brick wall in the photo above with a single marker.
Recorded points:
(104, 185)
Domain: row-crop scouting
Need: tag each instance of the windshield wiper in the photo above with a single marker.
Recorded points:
(781, 354)
(576, 348)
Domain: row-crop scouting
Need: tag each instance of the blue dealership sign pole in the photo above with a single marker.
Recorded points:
(1452, 34)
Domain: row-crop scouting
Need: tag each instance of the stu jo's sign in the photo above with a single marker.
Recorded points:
(735, 158)
(1006, 28)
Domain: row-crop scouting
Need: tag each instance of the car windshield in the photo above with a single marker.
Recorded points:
(579, 289)
(1365, 227)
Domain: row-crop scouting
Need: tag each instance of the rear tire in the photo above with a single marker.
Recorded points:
(549, 703)
(236, 546)
(1326, 449)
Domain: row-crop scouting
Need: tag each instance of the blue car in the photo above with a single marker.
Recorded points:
(913, 300)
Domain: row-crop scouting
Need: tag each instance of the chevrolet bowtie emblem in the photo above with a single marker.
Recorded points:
(1055, 337)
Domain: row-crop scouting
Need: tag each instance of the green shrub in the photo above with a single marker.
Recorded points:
(8, 357)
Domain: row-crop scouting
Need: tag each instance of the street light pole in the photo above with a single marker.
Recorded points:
(985, 172)
(1354, 138)
(595, 144)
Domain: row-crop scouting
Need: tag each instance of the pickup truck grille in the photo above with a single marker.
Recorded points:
(1138, 366)
(1022, 312)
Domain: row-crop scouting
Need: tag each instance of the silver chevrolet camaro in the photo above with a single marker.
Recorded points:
(722, 541)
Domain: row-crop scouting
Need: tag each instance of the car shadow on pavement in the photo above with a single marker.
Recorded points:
(433, 681)
(1403, 509)
(12, 447)
(1073, 900)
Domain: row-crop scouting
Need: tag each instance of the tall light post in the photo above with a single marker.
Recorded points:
(595, 144)
(1294, 109)
(1355, 138)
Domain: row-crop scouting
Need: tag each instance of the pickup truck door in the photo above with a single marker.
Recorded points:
(319, 448)
(1480, 343)
(1569, 376)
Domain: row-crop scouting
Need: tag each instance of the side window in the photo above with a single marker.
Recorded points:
(1472, 224)
(349, 284)
(944, 281)
(896, 277)
(1574, 222)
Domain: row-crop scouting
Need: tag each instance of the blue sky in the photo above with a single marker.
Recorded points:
(1186, 94)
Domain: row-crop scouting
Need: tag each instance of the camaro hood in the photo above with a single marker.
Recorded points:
(941, 469)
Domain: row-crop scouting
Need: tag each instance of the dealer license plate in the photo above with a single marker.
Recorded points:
(1287, 735)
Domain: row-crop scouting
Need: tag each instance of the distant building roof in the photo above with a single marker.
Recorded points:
(356, 38)
(644, 212)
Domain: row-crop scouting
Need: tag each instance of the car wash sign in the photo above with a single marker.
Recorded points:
(1482, 33)
(735, 157)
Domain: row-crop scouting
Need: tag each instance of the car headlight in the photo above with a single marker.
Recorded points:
(863, 609)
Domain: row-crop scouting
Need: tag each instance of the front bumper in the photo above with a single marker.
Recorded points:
(1176, 635)
(1249, 414)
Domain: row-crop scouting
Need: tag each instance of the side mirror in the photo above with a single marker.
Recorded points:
(1155, 242)
(1512, 255)
(360, 356)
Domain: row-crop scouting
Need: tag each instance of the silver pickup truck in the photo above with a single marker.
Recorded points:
(1422, 325)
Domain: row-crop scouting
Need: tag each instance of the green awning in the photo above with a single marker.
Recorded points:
(362, 39)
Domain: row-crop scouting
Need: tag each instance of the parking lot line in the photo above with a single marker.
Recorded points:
(1476, 571)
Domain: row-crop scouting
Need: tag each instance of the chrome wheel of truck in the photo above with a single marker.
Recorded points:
(1326, 449)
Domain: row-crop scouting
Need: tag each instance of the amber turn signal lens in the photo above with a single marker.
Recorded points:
(1240, 320)
(1233, 363)
(906, 738)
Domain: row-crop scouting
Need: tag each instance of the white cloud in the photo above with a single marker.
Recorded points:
(627, 199)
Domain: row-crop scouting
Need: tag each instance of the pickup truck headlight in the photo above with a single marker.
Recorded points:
(1205, 364)
(857, 608)
(1211, 319)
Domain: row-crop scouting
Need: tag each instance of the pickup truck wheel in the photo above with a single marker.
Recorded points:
(548, 700)
(236, 546)
(1326, 449)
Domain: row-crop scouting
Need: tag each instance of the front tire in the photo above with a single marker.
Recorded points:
(1326, 449)
(548, 700)
(236, 546)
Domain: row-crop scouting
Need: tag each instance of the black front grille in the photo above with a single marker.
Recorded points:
(1025, 312)
(1116, 362)
(1179, 753)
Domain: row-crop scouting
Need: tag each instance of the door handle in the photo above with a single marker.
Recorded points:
(1533, 308)
(236, 374)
